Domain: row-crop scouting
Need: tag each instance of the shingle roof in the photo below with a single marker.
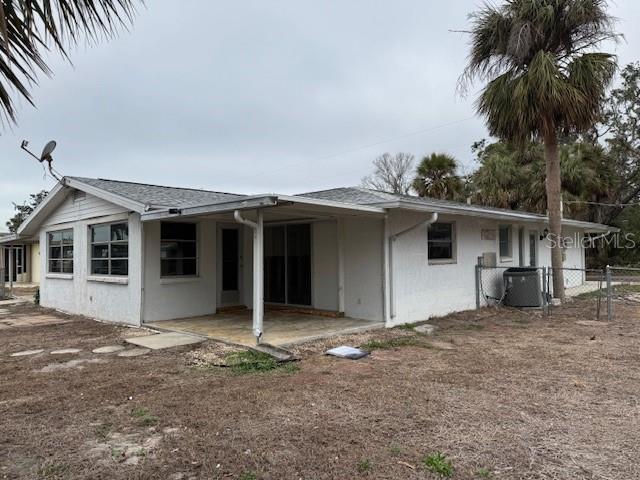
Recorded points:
(365, 196)
(157, 195)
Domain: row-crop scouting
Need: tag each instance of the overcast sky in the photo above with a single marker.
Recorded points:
(256, 96)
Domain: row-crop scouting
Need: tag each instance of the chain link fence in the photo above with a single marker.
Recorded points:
(624, 286)
(532, 287)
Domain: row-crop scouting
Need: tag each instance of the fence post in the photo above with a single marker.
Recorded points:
(478, 273)
(609, 295)
(545, 298)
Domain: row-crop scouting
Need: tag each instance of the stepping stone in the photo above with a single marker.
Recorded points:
(134, 352)
(65, 351)
(24, 353)
(108, 349)
(79, 364)
(164, 340)
(425, 329)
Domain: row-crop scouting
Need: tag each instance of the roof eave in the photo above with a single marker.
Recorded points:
(111, 197)
(485, 213)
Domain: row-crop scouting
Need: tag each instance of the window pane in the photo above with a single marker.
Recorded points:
(55, 266)
(177, 249)
(119, 267)
(440, 241)
(100, 251)
(505, 247)
(67, 252)
(100, 267)
(55, 252)
(100, 233)
(177, 231)
(55, 237)
(441, 232)
(119, 232)
(67, 236)
(67, 266)
(440, 251)
(169, 268)
(119, 250)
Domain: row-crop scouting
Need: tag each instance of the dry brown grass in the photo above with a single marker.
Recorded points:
(520, 395)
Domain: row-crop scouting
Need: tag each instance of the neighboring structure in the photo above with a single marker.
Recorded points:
(19, 261)
(135, 253)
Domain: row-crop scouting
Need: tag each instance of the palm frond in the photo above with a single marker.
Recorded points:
(30, 27)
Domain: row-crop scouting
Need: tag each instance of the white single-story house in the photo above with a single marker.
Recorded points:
(135, 253)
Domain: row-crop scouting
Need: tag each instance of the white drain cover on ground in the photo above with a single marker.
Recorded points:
(347, 352)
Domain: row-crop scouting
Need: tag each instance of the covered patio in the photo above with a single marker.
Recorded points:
(282, 327)
(316, 267)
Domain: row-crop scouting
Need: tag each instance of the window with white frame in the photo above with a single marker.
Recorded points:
(60, 251)
(441, 242)
(505, 237)
(178, 249)
(110, 249)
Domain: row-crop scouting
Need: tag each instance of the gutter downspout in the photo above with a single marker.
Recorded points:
(258, 270)
(392, 239)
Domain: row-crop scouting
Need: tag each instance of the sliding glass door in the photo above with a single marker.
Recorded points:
(287, 264)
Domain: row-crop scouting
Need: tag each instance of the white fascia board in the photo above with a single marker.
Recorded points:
(110, 197)
(332, 204)
(8, 238)
(245, 203)
(492, 214)
(54, 195)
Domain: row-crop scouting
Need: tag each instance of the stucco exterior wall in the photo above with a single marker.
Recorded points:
(324, 257)
(94, 296)
(422, 290)
(180, 297)
(363, 268)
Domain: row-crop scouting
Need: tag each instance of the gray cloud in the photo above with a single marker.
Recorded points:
(257, 96)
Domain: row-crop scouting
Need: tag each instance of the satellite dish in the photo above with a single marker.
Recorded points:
(47, 150)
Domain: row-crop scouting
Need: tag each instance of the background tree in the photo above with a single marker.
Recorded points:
(24, 209)
(543, 79)
(392, 173)
(30, 27)
(437, 177)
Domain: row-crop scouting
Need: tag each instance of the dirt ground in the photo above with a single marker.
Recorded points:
(501, 393)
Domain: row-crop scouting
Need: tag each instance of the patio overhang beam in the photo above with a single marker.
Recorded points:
(247, 203)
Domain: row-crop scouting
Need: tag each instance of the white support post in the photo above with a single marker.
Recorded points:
(11, 270)
(258, 277)
(340, 229)
(258, 269)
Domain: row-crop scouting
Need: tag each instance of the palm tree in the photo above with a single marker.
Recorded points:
(543, 78)
(436, 177)
(30, 27)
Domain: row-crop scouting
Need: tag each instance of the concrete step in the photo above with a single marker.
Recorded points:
(278, 353)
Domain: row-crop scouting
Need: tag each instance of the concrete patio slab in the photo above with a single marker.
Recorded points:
(281, 328)
(164, 340)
